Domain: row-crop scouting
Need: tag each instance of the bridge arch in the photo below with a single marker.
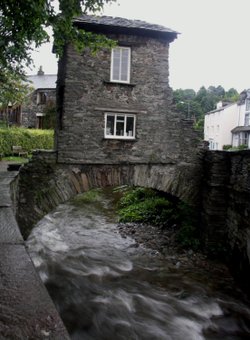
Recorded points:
(43, 183)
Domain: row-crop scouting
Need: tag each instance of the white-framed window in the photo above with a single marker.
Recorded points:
(247, 119)
(243, 138)
(247, 113)
(247, 105)
(120, 64)
(119, 126)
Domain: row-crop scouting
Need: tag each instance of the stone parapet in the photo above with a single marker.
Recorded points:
(27, 311)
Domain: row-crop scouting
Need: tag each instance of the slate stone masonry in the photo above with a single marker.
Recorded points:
(226, 209)
(87, 93)
(27, 311)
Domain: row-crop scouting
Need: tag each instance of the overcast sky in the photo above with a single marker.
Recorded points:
(212, 48)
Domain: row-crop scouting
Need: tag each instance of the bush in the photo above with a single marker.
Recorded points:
(227, 147)
(28, 139)
(142, 205)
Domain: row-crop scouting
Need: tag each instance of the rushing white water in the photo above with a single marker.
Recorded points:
(106, 288)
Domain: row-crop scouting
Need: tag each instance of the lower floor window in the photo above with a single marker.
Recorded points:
(120, 126)
(243, 138)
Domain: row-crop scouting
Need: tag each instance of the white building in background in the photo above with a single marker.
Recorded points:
(229, 124)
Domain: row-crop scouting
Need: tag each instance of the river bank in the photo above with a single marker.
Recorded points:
(163, 244)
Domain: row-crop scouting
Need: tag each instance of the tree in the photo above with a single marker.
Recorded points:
(23, 26)
(195, 105)
(13, 91)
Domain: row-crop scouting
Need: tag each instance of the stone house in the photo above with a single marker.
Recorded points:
(42, 96)
(229, 124)
(115, 106)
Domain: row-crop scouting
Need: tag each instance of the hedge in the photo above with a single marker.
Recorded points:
(28, 139)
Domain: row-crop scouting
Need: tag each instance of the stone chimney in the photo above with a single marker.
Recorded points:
(40, 71)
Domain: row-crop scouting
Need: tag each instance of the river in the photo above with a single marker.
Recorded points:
(105, 287)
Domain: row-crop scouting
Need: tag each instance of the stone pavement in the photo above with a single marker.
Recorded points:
(26, 310)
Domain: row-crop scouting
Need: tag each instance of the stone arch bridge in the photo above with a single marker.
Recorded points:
(43, 183)
(217, 183)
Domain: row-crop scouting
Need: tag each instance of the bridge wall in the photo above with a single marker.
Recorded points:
(43, 183)
(226, 209)
(27, 311)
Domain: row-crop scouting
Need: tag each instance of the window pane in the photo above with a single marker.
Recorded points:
(119, 128)
(247, 104)
(124, 64)
(116, 64)
(247, 119)
(130, 127)
(120, 118)
(110, 125)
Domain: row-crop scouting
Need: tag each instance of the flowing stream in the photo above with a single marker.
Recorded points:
(105, 287)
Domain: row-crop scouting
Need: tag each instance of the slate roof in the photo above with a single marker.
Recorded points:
(45, 81)
(102, 23)
(220, 109)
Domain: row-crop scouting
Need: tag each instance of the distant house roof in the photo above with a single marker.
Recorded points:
(220, 109)
(44, 81)
(106, 24)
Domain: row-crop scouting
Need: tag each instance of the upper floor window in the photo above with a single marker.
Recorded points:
(120, 126)
(120, 64)
(247, 119)
(41, 97)
(247, 105)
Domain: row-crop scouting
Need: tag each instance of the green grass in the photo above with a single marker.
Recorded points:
(15, 159)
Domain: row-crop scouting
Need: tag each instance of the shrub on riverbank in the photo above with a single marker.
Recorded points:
(142, 205)
(28, 139)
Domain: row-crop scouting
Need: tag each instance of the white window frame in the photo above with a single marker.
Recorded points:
(243, 140)
(128, 66)
(247, 119)
(115, 136)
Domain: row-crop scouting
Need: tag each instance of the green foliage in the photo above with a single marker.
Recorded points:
(24, 27)
(238, 148)
(29, 139)
(142, 205)
(88, 197)
(195, 105)
(24, 23)
(227, 147)
(15, 159)
(145, 205)
(13, 89)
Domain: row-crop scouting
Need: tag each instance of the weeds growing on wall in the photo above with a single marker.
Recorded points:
(28, 139)
(141, 205)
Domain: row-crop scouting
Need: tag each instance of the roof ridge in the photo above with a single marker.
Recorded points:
(122, 22)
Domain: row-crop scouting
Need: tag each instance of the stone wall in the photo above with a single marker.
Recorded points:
(226, 209)
(86, 94)
(27, 311)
